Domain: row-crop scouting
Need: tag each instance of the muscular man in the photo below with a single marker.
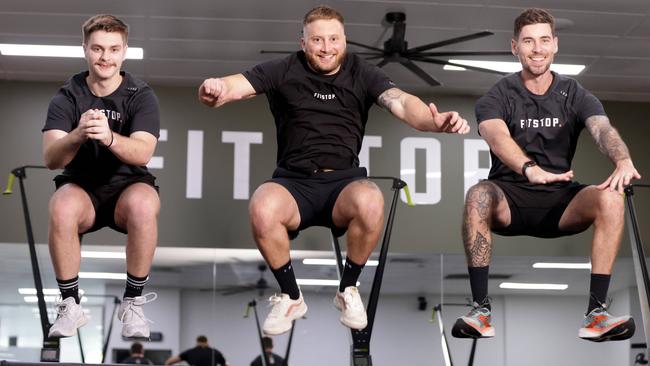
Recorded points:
(102, 127)
(320, 98)
(531, 120)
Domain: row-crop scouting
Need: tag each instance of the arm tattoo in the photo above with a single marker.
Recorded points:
(607, 138)
(388, 98)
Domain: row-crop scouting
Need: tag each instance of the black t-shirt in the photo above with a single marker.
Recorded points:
(273, 360)
(137, 360)
(546, 127)
(203, 356)
(320, 119)
(132, 107)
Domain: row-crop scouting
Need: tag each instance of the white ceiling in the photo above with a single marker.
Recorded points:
(187, 41)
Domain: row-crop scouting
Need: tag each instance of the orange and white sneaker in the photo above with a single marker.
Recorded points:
(476, 324)
(600, 326)
(353, 313)
(283, 313)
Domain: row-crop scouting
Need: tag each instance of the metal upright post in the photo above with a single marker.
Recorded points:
(360, 348)
(51, 347)
(638, 256)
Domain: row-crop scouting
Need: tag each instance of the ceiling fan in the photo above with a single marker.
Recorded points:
(396, 50)
(260, 285)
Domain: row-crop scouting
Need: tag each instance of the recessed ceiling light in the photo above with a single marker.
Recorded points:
(103, 275)
(103, 255)
(318, 282)
(32, 299)
(533, 286)
(562, 265)
(6, 49)
(507, 66)
(46, 291)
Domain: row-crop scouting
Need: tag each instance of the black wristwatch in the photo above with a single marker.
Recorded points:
(527, 165)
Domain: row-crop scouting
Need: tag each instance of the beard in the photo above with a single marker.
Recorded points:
(314, 63)
(537, 70)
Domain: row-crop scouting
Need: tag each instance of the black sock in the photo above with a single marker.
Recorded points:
(287, 281)
(478, 280)
(134, 285)
(598, 290)
(351, 273)
(69, 288)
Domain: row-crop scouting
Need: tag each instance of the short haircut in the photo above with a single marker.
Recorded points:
(136, 347)
(533, 16)
(201, 339)
(106, 23)
(322, 12)
(267, 342)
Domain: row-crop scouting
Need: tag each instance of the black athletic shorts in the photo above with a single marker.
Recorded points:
(316, 194)
(104, 197)
(534, 211)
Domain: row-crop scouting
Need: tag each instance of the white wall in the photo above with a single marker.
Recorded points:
(531, 330)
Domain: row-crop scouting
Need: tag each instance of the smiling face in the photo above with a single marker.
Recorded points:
(535, 47)
(104, 53)
(323, 42)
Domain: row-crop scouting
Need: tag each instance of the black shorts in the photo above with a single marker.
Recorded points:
(316, 194)
(536, 212)
(104, 197)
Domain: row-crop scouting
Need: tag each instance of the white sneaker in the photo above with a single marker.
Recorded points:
(134, 323)
(353, 313)
(283, 313)
(70, 317)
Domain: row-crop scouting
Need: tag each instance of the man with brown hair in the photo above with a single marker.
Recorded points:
(532, 120)
(102, 127)
(320, 97)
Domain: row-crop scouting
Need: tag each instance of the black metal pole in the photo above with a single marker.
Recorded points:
(38, 283)
(264, 356)
(472, 352)
(51, 347)
(398, 184)
(81, 347)
(339, 257)
(286, 353)
(116, 303)
(640, 255)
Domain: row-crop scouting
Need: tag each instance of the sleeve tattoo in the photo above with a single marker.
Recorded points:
(607, 138)
(389, 98)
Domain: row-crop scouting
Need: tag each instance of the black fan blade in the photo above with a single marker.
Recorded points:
(365, 46)
(464, 53)
(264, 51)
(382, 63)
(234, 290)
(443, 62)
(468, 37)
(373, 54)
(419, 72)
(374, 57)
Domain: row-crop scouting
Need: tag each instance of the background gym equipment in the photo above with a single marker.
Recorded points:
(639, 259)
(50, 351)
(261, 285)
(396, 50)
(265, 359)
(360, 349)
